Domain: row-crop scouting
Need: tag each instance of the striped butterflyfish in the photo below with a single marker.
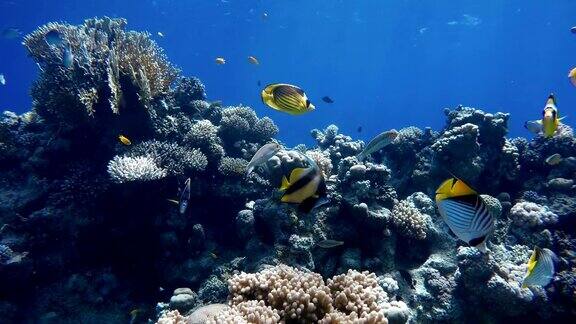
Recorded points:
(465, 212)
(540, 268)
(287, 98)
(305, 187)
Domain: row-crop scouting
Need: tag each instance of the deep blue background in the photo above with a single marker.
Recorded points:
(387, 64)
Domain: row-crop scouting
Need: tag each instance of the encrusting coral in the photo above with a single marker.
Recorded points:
(379, 237)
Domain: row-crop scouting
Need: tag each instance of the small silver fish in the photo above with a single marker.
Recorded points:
(262, 155)
(378, 143)
(10, 33)
(68, 58)
(327, 244)
(2, 79)
(554, 159)
(185, 196)
(533, 126)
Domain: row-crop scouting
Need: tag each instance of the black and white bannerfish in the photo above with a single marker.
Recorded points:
(184, 197)
(465, 212)
(540, 268)
(377, 143)
(305, 187)
(262, 155)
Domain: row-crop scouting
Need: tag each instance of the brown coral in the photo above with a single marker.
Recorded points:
(109, 64)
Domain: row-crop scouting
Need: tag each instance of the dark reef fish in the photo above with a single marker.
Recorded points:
(262, 155)
(327, 244)
(306, 187)
(465, 212)
(287, 98)
(378, 143)
(540, 268)
(327, 99)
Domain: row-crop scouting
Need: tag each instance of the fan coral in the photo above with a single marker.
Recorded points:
(143, 168)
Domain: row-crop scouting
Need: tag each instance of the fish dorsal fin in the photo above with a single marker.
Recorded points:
(551, 100)
(296, 174)
(459, 188)
(533, 259)
(285, 184)
(445, 187)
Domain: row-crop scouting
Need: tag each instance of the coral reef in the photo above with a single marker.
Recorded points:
(82, 214)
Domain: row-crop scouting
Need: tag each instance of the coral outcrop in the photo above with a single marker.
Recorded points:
(82, 215)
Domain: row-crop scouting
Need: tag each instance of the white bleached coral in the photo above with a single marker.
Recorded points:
(126, 169)
(251, 311)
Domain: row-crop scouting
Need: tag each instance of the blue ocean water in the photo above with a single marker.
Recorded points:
(386, 64)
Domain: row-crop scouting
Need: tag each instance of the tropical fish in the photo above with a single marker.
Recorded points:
(378, 143)
(160, 34)
(554, 159)
(287, 98)
(533, 126)
(262, 155)
(174, 201)
(68, 57)
(124, 140)
(572, 76)
(326, 244)
(540, 268)
(185, 197)
(10, 33)
(213, 255)
(550, 119)
(573, 30)
(2, 79)
(359, 129)
(265, 16)
(220, 61)
(327, 99)
(54, 38)
(253, 60)
(465, 212)
(305, 187)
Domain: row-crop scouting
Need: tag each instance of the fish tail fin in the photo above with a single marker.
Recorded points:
(285, 184)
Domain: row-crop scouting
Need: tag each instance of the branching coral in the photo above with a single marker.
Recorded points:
(126, 169)
(174, 158)
(109, 64)
(295, 294)
(242, 122)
